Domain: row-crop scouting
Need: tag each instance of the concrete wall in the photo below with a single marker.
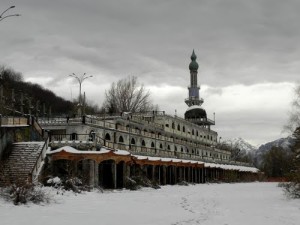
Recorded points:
(9, 135)
(5, 138)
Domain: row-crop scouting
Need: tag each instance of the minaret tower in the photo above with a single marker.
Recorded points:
(194, 97)
(195, 113)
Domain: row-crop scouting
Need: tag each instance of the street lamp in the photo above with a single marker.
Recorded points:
(2, 16)
(80, 80)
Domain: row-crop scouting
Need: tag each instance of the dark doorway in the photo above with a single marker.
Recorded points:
(106, 174)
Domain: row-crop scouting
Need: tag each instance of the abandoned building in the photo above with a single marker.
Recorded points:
(107, 149)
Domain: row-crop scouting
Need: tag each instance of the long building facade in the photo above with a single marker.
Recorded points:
(165, 148)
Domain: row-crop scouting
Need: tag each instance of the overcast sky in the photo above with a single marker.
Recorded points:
(247, 50)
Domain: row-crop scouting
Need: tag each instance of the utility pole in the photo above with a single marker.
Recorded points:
(80, 80)
(3, 15)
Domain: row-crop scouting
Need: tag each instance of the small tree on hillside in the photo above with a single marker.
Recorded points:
(276, 162)
(293, 188)
(127, 95)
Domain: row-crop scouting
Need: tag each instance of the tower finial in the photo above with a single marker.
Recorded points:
(193, 56)
(193, 65)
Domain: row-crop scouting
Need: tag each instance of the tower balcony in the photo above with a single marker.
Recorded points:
(201, 121)
(192, 100)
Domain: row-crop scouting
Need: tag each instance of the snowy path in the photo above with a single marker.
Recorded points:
(213, 204)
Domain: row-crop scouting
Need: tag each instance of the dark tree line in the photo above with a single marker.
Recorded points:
(30, 97)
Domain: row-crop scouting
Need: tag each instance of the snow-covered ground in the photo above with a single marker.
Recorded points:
(213, 204)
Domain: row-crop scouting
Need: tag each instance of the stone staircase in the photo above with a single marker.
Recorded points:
(20, 163)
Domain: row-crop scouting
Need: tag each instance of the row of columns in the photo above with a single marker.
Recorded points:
(112, 175)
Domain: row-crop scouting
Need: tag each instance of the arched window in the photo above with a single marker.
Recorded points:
(121, 139)
(152, 145)
(178, 127)
(193, 132)
(73, 136)
(197, 133)
(183, 128)
(137, 130)
(143, 143)
(181, 149)
(107, 137)
(92, 135)
(175, 148)
(160, 146)
(132, 141)
(173, 125)
(168, 147)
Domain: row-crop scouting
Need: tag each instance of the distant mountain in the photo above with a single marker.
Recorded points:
(285, 143)
(241, 144)
(281, 142)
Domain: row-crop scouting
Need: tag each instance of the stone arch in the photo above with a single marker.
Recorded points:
(152, 144)
(106, 174)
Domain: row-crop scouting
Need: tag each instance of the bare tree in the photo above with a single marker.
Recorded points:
(127, 95)
(294, 117)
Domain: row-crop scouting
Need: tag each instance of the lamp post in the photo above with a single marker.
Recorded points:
(2, 16)
(80, 80)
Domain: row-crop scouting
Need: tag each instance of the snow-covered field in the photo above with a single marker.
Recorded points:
(214, 204)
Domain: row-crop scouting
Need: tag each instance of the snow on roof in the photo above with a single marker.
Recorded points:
(140, 157)
(232, 167)
(122, 152)
(154, 158)
(70, 149)
(166, 159)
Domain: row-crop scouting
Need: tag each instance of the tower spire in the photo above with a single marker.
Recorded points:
(194, 97)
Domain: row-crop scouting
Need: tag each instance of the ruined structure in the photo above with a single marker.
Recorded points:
(108, 149)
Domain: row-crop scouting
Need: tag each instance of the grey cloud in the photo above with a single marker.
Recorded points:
(236, 41)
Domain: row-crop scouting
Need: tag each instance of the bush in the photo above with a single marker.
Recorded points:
(292, 189)
(137, 182)
(74, 183)
(24, 194)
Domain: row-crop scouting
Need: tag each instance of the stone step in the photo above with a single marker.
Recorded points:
(21, 161)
